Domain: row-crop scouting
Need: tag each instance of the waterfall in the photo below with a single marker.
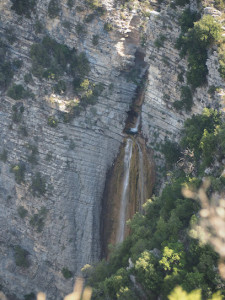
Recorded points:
(125, 188)
(129, 182)
(141, 178)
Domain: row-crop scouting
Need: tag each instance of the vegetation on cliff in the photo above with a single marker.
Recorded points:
(161, 252)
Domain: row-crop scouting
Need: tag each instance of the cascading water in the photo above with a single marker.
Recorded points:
(129, 183)
(141, 179)
(125, 187)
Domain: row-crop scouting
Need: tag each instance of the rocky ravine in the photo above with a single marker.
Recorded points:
(74, 157)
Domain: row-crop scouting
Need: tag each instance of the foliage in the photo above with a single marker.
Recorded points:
(186, 99)
(52, 121)
(108, 27)
(22, 212)
(195, 42)
(38, 185)
(30, 296)
(24, 7)
(195, 129)
(21, 257)
(60, 87)
(67, 273)
(159, 42)
(4, 155)
(95, 39)
(6, 69)
(19, 172)
(53, 9)
(171, 151)
(51, 59)
(37, 220)
(70, 3)
(17, 113)
(18, 92)
(222, 60)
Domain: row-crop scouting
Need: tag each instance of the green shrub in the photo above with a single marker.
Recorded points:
(24, 7)
(159, 42)
(51, 60)
(17, 92)
(108, 27)
(187, 19)
(70, 3)
(21, 257)
(4, 155)
(38, 185)
(17, 64)
(38, 27)
(53, 9)
(6, 70)
(222, 60)
(22, 212)
(186, 97)
(17, 113)
(52, 121)
(80, 29)
(95, 39)
(94, 4)
(204, 33)
(60, 87)
(67, 273)
(32, 157)
(37, 220)
(171, 151)
(48, 156)
(28, 78)
(30, 296)
(89, 18)
(19, 172)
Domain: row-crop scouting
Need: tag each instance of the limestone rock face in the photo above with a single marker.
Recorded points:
(61, 228)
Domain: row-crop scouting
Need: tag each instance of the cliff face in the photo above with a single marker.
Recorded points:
(61, 227)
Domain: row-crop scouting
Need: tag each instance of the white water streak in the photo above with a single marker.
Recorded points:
(135, 128)
(141, 178)
(124, 199)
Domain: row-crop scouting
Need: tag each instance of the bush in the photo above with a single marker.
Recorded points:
(204, 33)
(32, 158)
(108, 27)
(22, 212)
(17, 92)
(70, 3)
(186, 99)
(159, 42)
(52, 121)
(37, 220)
(95, 39)
(60, 87)
(24, 7)
(171, 151)
(53, 9)
(67, 273)
(17, 113)
(38, 27)
(80, 29)
(19, 172)
(4, 155)
(51, 60)
(30, 296)
(21, 257)
(38, 185)
(6, 70)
